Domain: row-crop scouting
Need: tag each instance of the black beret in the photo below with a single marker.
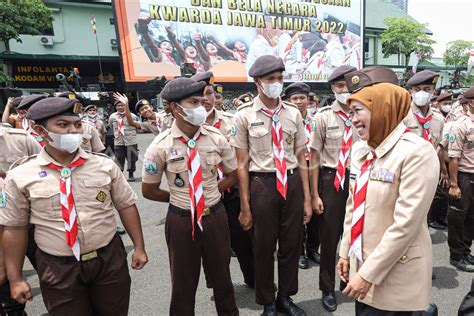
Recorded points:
(207, 77)
(141, 103)
(469, 93)
(54, 106)
(90, 106)
(368, 76)
(339, 72)
(218, 88)
(423, 77)
(445, 97)
(246, 97)
(182, 88)
(66, 94)
(29, 100)
(313, 97)
(265, 65)
(297, 87)
(16, 101)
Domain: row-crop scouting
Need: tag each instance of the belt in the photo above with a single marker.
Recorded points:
(84, 257)
(272, 174)
(187, 213)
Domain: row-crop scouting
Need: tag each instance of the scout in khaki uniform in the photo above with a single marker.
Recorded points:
(428, 122)
(269, 140)
(385, 253)
(125, 139)
(15, 144)
(330, 145)
(240, 240)
(7, 117)
(461, 203)
(165, 118)
(196, 224)
(219, 104)
(90, 115)
(81, 262)
(143, 107)
(313, 103)
(298, 94)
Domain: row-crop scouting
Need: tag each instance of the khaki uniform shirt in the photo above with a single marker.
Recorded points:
(15, 143)
(396, 244)
(150, 126)
(164, 121)
(130, 137)
(309, 125)
(33, 196)
(252, 130)
(167, 153)
(99, 126)
(328, 135)
(463, 145)
(436, 124)
(225, 120)
(91, 139)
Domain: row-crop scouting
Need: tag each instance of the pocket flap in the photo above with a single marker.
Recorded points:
(413, 252)
(334, 134)
(258, 131)
(43, 193)
(95, 183)
(176, 166)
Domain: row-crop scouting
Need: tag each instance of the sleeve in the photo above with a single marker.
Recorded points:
(97, 145)
(15, 209)
(229, 160)
(318, 134)
(122, 194)
(300, 137)
(239, 132)
(135, 118)
(144, 126)
(33, 147)
(456, 142)
(413, 203)
(111, 120)
(153, 165)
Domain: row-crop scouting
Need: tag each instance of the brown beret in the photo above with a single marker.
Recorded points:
(313, 97)
(463, 101)
(469, 93)
(297, 87)
(16, 101)
(444, 97)
(90, 106)
(246, 97)
(207, 77)
(54, 106)
(141, 103)
(339, 72)
(66, 94)
(182, 88)
(218, 88)
(368, 76)
(423, 77)
(265, 65)
(29, 100)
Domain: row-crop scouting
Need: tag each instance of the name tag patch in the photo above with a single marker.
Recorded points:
(330, 128)
(151, 167)
(383, 175)
(257, 124)
(177, 159)
(413, 127)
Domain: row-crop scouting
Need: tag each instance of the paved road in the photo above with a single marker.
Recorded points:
(150, 293)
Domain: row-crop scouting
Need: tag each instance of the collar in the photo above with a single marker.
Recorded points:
(177, 133)
(336, 107)
(258, 103)
(217, 116)
(391, 140)
(416, 109)
(44, 158)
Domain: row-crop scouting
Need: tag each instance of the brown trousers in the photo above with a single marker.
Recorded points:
(100, 286)
(331, 225)
(276, 220)
(212, 245)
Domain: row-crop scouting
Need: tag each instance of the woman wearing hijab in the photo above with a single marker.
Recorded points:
(385, 253)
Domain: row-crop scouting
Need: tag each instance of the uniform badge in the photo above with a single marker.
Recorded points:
(355, 80)
(39, 138)
(348, 123)
(191, 143)
(42, 174)
(84, 140)
(101, 196)
(233, 130)
(174, 152)
(289, 140)
(307, 120)
(426, 125)
(313, 126)
(413, 127)
(452, 138)
(275, 118)
(257, 124)
(66, 172)
(151, 167)
(214, 170)
(3, 199)
(382, 175)
(179, 182)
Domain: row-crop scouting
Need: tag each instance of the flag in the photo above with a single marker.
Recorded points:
(94, 27)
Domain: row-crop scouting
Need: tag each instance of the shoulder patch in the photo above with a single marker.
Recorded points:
(21, 161)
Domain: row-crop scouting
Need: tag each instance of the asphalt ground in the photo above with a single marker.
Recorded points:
(151, 287)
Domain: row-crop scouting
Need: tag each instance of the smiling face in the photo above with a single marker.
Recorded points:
(238, 45)
(146, 111)
(166, 47)
(190, 52)
(360, 117)
(211, 49)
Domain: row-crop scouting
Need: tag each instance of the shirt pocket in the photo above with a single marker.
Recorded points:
(174, 166)
(97, 192)
(212, 159)
(333, 140)
(45, 201)
(289, 138)
(258, 138)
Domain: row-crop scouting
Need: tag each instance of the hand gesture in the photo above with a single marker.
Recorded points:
(139, 259)
(122, 98)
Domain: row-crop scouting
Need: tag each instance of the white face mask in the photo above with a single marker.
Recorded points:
(421, 98)
(92, 116)
(445, 108)
(342, 97)
(196, 116)
(272, 90)
(65, 142)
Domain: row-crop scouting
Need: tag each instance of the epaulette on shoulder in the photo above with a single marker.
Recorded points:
(289, 103)
(245, 105)
(227, 114)
(324, 109)
(16, 131)
(21, 161)
(412, 137)
(158, 138)
(211, 129)
(99, 154)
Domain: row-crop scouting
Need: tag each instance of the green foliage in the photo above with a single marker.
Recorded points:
(22, 17)
(457, 53)
(404, 37)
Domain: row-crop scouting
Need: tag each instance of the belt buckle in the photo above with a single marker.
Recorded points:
(291, 172)
(89, 256)
(207, 211)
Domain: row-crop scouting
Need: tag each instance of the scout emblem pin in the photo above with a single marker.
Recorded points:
(191, 143)
(275, 118)
(66, 172)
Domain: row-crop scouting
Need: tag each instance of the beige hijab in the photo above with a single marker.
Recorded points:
(389, 105)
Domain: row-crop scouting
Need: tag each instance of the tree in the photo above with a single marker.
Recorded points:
(404, 37)
(457, 53)
(17, 17)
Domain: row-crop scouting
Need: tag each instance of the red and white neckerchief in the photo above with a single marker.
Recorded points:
(358, 213)
(345, 151)
(425, 123)
(25, 123)
(68, 207)
(308, 122)
(196, 192)
(120, 124)
(278, 150)
(38, 138)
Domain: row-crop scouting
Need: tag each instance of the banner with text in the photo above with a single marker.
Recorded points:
(313, 37)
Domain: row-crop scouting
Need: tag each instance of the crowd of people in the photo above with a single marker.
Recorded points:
(280, 180)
